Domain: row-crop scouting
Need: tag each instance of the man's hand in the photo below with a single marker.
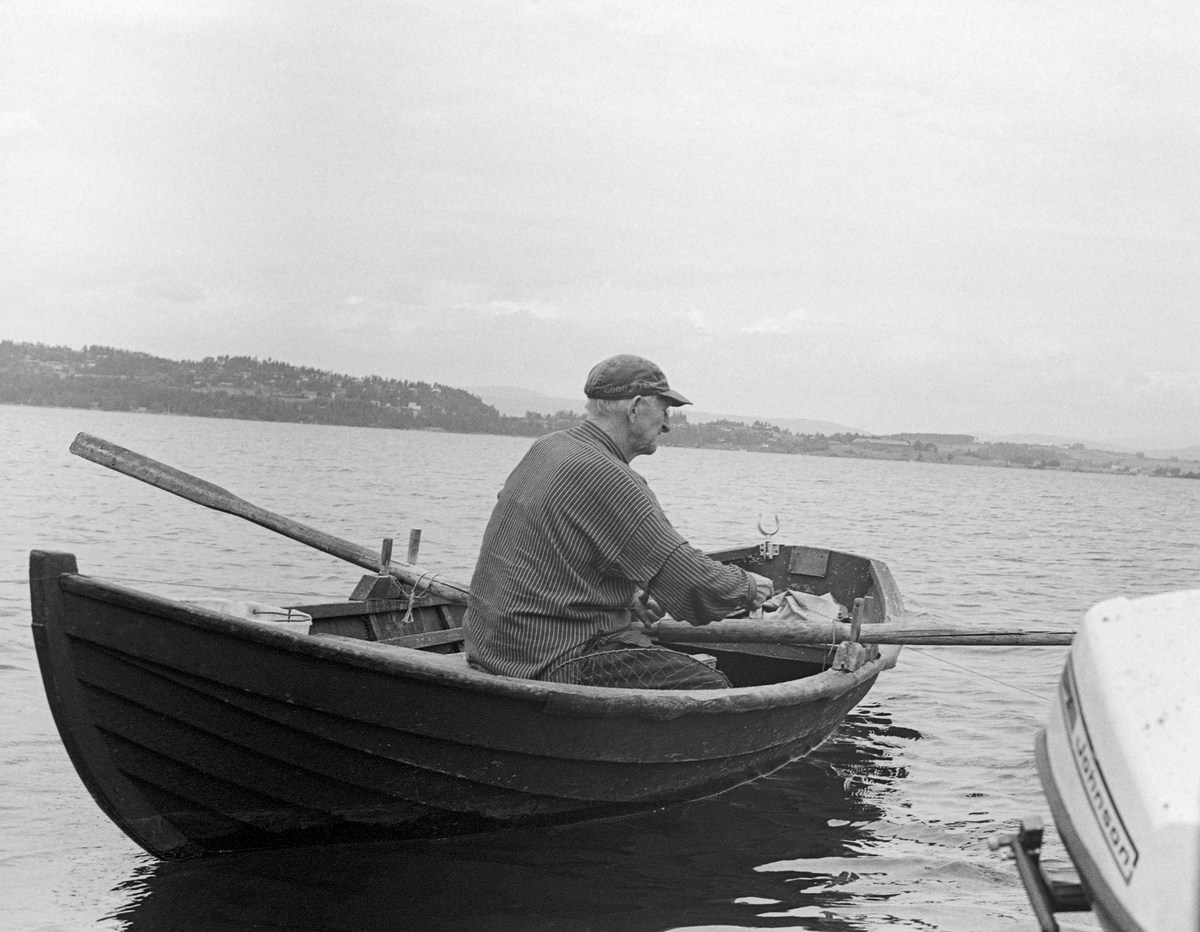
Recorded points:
(765, 589)
(645, 608)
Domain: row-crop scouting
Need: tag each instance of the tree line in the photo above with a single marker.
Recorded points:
(248, 388)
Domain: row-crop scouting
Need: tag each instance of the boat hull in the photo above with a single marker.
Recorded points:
(200, 733)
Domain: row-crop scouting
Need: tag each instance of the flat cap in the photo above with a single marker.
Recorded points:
(626, 376)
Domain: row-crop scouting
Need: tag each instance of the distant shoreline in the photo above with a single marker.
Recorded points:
(243, 388)
(971, 457)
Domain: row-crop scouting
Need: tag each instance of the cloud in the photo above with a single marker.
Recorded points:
(794, 322)
(173, 292)
(535, 310)
(874, 214)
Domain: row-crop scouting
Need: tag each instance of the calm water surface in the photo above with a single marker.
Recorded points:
(886, 825)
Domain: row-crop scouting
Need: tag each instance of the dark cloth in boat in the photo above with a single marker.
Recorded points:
(575, 533)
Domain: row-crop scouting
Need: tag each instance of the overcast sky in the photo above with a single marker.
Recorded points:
(965, 217)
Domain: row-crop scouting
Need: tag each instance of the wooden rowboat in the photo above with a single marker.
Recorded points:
(198, 732)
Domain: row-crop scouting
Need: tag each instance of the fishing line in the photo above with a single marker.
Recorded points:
(976, 673)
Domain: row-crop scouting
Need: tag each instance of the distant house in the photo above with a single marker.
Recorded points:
(880, 443)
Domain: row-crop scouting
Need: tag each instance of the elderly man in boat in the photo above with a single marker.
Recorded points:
(578, 550)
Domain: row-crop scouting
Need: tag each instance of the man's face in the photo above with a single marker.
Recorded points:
(649, 417)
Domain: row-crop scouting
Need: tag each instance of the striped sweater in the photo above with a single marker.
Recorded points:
(574, 534)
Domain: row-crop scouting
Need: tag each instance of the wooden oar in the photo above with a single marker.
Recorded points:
(765, 631)
(213, 496)
(754, 631)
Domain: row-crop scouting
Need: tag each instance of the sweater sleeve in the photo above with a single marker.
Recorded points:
(697, 589)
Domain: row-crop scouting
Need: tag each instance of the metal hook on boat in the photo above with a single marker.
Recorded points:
(768, 548)
(763, 531)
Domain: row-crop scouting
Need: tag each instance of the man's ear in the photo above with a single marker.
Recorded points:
(634, 404)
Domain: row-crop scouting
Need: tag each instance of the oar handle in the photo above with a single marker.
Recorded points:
(755, 631)
(213, 496)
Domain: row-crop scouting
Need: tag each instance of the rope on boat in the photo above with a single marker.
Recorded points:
(414, 596)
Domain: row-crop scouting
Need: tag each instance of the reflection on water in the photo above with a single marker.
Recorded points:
(788, 846)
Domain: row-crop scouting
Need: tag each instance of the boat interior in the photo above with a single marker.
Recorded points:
(381, 610)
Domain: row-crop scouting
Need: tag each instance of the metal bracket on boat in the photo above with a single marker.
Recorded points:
(768, 549)
(1046, 896)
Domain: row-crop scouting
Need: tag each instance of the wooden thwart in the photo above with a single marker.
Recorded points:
(755, 631)
(426, 638)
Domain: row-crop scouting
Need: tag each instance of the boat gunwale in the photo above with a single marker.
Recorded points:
(556, 698)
